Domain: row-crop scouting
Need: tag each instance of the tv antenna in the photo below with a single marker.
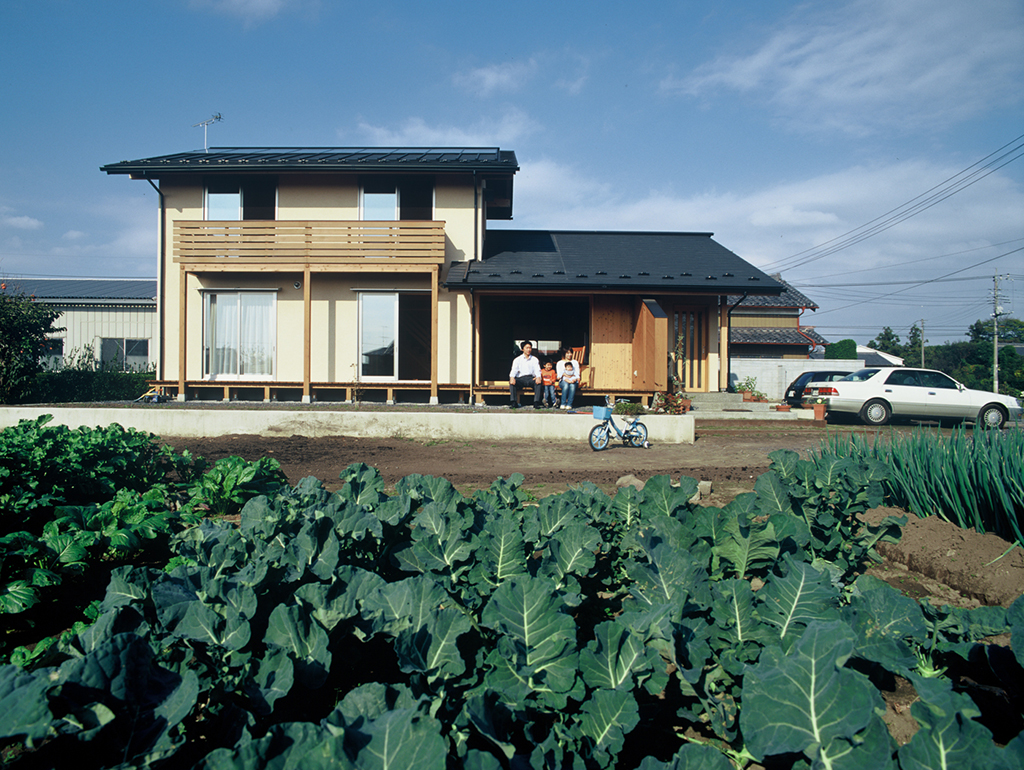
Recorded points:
(215, 119)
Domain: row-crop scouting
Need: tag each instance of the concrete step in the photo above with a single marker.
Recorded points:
(731, 406)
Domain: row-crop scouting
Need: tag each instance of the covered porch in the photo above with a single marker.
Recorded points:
(629, 346)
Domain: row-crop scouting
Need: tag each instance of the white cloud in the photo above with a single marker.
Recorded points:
(877, 64)
(505, 77)
(250, 11)
(776, 222)
(22, 222)
(507, 129)
(769, 226)
(73, 235)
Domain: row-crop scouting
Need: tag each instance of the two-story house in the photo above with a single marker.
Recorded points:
(313, 272)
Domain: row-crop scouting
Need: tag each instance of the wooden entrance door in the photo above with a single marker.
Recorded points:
(691, 329)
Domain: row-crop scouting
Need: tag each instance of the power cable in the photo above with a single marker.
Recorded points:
(914, 206)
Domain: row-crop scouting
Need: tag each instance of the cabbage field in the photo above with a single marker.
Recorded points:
(416, 627)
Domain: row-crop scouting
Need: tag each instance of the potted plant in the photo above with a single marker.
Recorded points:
(748, 387)
(672, 403)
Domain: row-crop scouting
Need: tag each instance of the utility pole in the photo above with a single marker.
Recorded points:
(997, 310)
(922, 342)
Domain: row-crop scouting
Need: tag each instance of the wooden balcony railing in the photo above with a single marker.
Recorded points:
(296, 242)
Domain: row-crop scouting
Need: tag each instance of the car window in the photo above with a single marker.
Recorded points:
(836, 376)
(861, 375)
(938, 380)
(904, 377)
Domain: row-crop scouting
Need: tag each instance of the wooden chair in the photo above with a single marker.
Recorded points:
(578, 355)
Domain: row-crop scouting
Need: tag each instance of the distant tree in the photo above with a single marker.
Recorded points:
(1010, 330)
(24, 326)
(844, 349)
(912, 350)
(887, 341)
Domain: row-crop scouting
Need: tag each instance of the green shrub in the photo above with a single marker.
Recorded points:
(82, 386)
(844, 349)
(628, 408)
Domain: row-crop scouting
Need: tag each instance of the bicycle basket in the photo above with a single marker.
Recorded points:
(602, 412)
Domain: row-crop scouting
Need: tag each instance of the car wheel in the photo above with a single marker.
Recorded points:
(992, 416)
(875, 412)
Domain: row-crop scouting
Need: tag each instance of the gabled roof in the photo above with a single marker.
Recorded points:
(306, 159)
(85, 291)
(790, 298)
(523, 260)
(739, 335)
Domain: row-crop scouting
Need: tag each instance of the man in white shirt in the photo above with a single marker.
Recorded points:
(525, 373)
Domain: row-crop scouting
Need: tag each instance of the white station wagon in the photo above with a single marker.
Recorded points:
(876, 395)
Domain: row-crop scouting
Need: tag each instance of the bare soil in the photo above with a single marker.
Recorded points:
(935, 560)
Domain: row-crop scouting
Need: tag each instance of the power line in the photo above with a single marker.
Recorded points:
(924, 283)
(914, 206)
(891, 265)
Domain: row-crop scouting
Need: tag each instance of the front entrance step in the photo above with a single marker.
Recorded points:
(731, 406)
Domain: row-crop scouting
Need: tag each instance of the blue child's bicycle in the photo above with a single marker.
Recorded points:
(635, 433)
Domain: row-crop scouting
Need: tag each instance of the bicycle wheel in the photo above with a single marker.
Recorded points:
(599, 437)
(638, 434)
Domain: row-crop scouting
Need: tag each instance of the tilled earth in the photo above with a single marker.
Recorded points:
(935, 559)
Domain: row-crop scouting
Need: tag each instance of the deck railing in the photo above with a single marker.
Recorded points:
(308, 241)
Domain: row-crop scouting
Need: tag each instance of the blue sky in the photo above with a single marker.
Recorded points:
(790, 130)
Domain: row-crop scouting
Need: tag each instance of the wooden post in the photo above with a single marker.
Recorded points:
(182, 328)
(307, 333)
(433, 332)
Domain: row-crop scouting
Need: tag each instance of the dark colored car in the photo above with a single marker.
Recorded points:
(796, 388)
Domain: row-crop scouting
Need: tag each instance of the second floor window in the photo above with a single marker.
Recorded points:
(233, 201)
(390, 199)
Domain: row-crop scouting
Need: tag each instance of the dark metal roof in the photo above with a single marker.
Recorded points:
(103, 291)
(741, 335)
(790, 298)
(352, 159)
(523, 260)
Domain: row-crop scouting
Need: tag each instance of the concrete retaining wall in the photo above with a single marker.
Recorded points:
(774, 374)
(198, 423)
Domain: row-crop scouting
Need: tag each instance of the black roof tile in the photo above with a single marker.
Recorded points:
(789, 298)
(572, 259)
(741, 335)
(357, 159)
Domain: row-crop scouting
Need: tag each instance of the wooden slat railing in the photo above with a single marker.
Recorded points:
(308, 240)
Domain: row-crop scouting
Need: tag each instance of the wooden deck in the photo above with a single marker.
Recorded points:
(253, 390)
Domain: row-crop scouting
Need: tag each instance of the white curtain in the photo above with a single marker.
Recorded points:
(240, 334)
(255, 340)
(222, 335)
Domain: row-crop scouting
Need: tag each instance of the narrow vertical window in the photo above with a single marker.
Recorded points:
(378, 336)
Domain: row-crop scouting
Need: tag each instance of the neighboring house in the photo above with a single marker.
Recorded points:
(320, 271)
(116, 319)
(769, 326)
(872, 357)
